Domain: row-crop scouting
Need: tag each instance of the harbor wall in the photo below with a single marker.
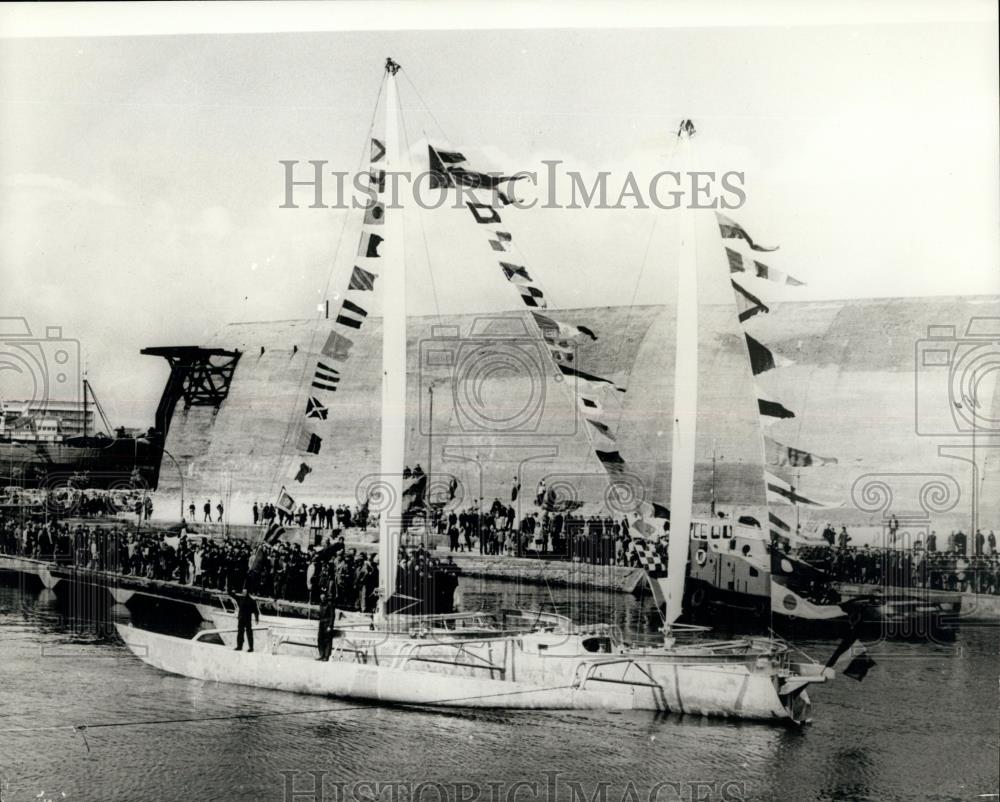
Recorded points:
(856, 383)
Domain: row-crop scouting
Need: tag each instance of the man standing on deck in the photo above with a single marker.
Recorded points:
(327, 621)
(248, 609)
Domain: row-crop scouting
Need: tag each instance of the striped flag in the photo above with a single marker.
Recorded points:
(362, 279)
(351, 314)
(737, 264)
(273, 533)
(779, 529)
(325, 378)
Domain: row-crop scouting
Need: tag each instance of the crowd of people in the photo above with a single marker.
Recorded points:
(328, 573)
(908, 568)
(68, 501)
(956, 541)
(287, 570)
(544, 533)
(316, 516)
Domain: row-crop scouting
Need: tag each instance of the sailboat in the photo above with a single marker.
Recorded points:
(518, 659)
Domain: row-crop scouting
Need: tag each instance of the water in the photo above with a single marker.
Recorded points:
(923, 725)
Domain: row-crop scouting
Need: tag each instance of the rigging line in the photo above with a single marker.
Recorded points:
(419, 217)
(517, 249)
(294, 419)
(628, 316)
(671, 153)
(426, 107)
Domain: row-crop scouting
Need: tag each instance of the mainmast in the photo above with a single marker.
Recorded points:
(84, 404)
(393, 359)
(685, 414)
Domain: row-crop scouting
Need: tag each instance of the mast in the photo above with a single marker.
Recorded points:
(713, 479)
(430, 465)
(393, 361)
(685, 415)
(85, 405)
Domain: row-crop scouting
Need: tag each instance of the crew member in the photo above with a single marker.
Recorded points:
(327, 619)
(248, 609)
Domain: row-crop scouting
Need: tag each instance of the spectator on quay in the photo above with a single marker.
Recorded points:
(843, 539)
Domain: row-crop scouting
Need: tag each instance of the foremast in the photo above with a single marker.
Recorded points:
(393, 413)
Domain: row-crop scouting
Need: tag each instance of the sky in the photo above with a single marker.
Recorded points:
(140, 181)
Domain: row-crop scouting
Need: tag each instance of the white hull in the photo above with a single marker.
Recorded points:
(307, 628)
(536, 671)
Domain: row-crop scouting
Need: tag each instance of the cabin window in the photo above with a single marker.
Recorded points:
(601, 644)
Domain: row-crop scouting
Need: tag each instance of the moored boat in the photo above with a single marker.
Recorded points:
(531, 670)
(433, 660)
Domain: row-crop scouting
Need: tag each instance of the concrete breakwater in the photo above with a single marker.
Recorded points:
(861, 394)
(124, 587)
(975, 607)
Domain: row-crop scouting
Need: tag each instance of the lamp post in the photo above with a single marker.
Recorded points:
(970, 401)
(180, 474)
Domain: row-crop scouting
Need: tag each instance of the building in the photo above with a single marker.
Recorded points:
(45, 421)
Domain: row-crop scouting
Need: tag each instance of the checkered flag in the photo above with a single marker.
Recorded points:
(649, 558)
